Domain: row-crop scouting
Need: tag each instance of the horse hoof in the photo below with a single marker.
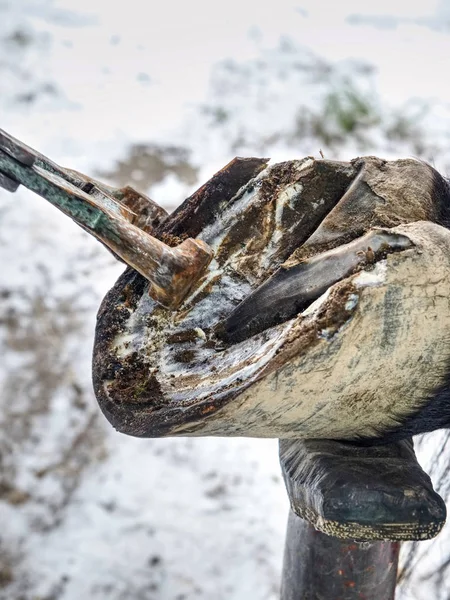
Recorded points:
(316, 318)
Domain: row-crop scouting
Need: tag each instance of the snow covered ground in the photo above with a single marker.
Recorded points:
(164, 94)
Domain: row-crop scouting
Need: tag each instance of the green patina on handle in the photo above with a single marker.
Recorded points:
(120, 219)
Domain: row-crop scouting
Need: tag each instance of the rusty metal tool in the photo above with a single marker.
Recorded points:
(107, 213)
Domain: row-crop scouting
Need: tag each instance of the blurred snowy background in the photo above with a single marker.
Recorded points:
(161, 95)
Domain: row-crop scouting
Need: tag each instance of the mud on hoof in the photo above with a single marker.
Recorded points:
(361, 493)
